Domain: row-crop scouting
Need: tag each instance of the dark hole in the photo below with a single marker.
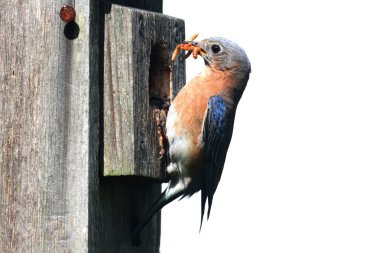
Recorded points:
(159, 73)
(71, 30)
(159, 100)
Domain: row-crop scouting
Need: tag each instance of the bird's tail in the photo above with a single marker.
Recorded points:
(165, 198)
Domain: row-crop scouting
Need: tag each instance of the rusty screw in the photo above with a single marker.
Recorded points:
(67, 13)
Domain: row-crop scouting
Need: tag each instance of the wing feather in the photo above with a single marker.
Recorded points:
(216, 137)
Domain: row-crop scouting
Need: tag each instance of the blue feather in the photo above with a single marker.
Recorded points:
(217, 108)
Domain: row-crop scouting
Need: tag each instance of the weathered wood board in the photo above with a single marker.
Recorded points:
(137, 70)
(46, 153)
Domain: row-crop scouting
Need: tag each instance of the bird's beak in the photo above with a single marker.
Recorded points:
(202, 52)
(198, 44)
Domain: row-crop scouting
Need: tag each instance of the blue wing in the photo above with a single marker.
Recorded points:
(216, 137)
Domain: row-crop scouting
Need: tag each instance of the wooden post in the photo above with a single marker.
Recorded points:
(47, 156)
(53, 197)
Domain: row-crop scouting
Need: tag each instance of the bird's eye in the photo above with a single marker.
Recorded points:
(215, 49)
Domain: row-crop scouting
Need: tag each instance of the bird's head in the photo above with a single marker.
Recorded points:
(223, 54)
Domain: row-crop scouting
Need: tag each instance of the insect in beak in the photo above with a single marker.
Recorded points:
(191, 46)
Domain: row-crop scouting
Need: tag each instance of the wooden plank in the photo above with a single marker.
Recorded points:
(137, 69)
(44, 129)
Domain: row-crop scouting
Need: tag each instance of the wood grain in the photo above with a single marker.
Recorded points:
(44, 128)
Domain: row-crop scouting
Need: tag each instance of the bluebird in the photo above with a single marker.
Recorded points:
(200, 124)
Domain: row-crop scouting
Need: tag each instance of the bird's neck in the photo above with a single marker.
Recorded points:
(229, 82)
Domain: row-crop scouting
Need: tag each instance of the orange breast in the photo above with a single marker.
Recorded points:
(190, 105)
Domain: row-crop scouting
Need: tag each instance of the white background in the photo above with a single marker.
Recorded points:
(303, 170)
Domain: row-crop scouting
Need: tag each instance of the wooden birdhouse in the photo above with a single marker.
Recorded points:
(139, 80)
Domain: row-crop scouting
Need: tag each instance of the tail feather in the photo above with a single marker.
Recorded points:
(203, 204)
(165, 198)
(209, 200)
(207, 193)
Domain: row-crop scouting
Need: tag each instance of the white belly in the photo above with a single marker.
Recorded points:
(179, 145)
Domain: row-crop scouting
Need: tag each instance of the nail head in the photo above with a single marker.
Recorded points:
(67, 13)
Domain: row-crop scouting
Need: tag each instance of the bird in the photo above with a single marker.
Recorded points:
(200, 124)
